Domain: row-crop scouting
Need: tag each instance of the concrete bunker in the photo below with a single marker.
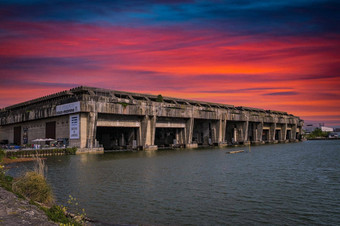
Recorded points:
(87, 117)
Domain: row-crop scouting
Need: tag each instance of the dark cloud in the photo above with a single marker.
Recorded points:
(268, 16)
(39, 63)
(243, 90)
(290, 93)
(17, 83)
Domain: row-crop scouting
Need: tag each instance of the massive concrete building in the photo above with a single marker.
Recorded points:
(88, 117)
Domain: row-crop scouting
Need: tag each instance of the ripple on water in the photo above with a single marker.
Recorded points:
(284, 184)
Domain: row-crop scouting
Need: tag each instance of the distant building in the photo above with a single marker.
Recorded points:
(326, 129)
(311, 127)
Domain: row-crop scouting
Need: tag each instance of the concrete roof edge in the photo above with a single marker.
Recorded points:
(152, 96)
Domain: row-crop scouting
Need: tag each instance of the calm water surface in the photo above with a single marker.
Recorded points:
(283, 184)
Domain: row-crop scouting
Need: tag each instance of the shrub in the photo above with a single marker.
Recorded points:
(317, 133)
(2, 154)
(71, 151)
(34, 186)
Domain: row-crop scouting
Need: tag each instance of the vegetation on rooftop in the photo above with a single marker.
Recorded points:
(159, 98)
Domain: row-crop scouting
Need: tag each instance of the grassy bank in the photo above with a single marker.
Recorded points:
(34, 187)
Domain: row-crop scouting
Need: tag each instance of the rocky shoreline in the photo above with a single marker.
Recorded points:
(16, 211)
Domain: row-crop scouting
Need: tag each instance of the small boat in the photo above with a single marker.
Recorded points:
(234, 152)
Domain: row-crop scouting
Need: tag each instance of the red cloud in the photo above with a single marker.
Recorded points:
(41, 58)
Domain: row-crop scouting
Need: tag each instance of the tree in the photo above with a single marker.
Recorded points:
(317, 133)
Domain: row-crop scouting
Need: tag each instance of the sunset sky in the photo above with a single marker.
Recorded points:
(273, 54)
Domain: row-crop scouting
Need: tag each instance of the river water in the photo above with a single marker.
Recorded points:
(281, 184)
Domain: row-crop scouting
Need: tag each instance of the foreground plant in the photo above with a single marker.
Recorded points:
(34, 187)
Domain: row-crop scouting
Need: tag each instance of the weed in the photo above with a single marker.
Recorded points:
(34, 186)
(40, 167)
(2, 154)
(78, 213)
(57, 214)
(124, 104)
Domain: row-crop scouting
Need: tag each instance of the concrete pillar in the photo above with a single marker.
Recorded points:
(284, 132)
(223, 130)
(259, 131)
(293, 133)
(206, 130)
(92, 129)
(148, 129)
(122, 140)
(239, 132)
(180, 136)
(272, 132)
(235, 134)
(219, 131)
(299, 132)
(188, 131)
(130, 137)
(139, 137)
(245, 131)
(254, 132)
(215, 131)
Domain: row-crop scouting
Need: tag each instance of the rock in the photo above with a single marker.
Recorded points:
(15, 211)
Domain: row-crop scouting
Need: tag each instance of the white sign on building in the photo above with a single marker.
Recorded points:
(68, 108)
(74, 126)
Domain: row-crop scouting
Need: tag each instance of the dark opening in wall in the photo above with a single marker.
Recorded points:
(116, 138)
(50, 130)
(17, 135)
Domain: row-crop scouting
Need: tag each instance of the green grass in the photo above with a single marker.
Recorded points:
(6, 182)
(34, 186)
(2, 154)
(57, 214)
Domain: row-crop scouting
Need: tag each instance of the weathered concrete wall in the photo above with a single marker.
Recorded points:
(36, 129)
(6, 133)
